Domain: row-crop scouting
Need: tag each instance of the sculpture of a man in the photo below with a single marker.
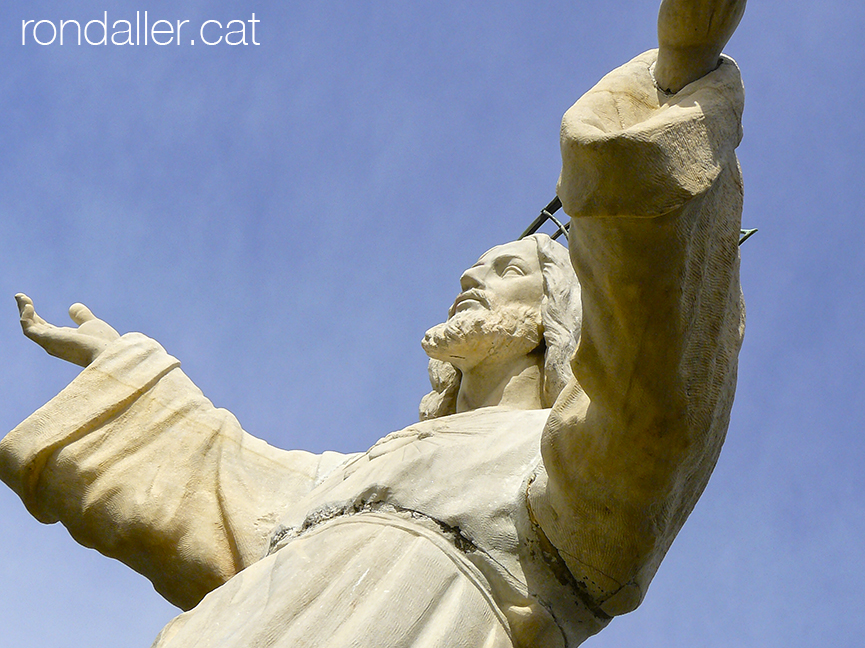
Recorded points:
(538, 495)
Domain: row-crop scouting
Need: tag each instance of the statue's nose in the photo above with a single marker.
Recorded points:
(471, 278)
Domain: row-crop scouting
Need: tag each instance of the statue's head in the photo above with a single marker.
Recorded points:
(519, 298)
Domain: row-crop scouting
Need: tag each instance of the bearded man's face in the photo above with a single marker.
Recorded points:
(497, 315)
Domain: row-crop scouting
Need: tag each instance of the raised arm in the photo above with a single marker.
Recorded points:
(653, 188)
(138, 464)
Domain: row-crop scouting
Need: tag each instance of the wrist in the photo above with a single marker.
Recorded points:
(677, 67)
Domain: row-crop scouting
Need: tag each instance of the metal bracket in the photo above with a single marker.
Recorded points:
(547, 213)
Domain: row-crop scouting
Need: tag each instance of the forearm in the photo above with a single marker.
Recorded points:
(138, 464)
(691, 36)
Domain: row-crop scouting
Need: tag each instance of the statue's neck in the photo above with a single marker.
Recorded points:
(517, 383)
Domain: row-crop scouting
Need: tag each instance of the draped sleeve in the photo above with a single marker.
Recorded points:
(654, 191)
(138, 464)
(630, 149)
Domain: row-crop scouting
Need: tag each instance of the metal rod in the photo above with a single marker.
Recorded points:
(745, 234)
(546, 213)
(562, 229)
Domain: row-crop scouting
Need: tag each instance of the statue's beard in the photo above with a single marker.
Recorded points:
(472, 336)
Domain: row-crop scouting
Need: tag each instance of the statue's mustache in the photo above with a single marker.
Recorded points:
(475, 294)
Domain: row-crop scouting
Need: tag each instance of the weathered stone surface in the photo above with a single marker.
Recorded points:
(571, 427)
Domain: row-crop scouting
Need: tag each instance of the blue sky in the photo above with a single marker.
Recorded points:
(289, 218)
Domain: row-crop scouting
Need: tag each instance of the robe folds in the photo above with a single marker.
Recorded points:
(448, 532)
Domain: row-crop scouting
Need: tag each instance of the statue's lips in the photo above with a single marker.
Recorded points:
(469, 299)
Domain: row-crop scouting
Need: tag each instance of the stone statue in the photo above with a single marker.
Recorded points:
(571, 427)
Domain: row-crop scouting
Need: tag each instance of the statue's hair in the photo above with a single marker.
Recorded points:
(561, 316)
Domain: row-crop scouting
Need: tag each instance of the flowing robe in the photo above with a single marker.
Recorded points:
(488, 528)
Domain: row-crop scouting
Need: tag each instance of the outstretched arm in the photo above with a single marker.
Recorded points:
(653, 188)
(138, 464)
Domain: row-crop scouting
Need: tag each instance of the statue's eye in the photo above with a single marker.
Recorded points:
(513, 269)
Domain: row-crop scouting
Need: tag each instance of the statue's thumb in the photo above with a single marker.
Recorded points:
(80, 314)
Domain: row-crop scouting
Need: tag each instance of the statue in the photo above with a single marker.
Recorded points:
(571, 428)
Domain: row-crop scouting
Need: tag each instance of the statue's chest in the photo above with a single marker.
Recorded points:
(463, 480)
(467, 472)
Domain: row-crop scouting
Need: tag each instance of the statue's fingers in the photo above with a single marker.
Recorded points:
(26, 311)
(23, 302)
(80, 314)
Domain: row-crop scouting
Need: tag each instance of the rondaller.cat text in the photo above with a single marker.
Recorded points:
(139, 32)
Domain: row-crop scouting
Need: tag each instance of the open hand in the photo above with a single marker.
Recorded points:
(79, 345)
